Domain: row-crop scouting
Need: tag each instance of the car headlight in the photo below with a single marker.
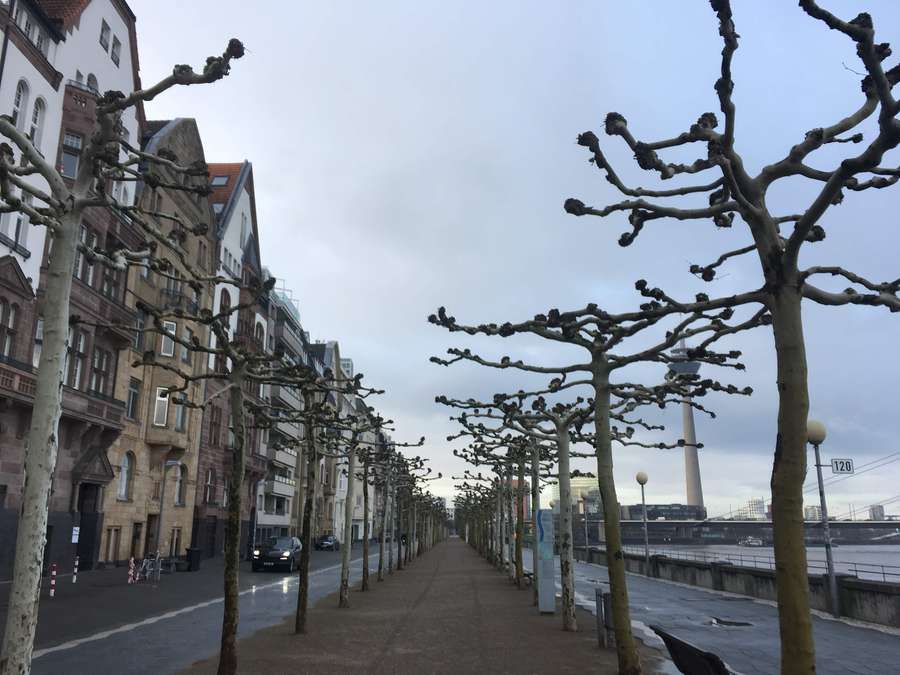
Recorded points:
(256, 552)
(286, 554)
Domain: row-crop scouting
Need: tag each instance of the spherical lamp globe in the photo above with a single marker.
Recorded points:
(815, 432)
(641, 478)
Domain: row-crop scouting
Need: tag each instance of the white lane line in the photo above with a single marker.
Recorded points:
(168, 615)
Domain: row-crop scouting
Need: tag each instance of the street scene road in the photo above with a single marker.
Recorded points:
(102, 625)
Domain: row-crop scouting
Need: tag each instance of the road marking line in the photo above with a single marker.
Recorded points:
(71, 644)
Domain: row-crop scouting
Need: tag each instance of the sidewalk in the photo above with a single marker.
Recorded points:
(449, 612)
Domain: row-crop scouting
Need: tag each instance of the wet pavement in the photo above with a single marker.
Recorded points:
(751, 648)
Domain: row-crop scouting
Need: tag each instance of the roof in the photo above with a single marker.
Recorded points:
(68, 12)
(232, 171)
(240, 176)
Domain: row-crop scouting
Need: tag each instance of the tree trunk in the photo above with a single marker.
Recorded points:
(414, 538)
(501, 526)
(520, 520)
(566, 568)
(399, 510)
(312, 480)
(626, 649)
(230, 615)
(788, 475)
(510, 524)
(366, 534)
(344, 600)
(390, 523)
(41, 451)
(535, 507)
(385, 508)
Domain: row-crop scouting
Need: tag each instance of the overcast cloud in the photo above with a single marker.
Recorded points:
(415, 154)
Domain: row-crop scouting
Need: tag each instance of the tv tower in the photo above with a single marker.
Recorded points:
(682, 366)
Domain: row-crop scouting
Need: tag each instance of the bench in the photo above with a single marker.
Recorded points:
(689, 659)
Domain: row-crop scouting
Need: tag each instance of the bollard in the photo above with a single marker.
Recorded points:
(75, 572)
(608, 619)
(52, 579)
(601, 618)
(131, 570)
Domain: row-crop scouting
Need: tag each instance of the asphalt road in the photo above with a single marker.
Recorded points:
(102, 625)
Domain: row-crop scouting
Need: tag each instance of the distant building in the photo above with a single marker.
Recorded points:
(876, 512)
(663, 512)
(580, 485)
(526, 517)
(812, 513)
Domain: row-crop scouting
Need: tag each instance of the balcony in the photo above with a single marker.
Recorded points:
(171, 298)
(284, 456)
(273, 519)
(167, 436)
(281, 486)
(286, 396)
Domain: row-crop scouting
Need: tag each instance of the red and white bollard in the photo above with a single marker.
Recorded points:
(52, 579)
(131, 570)
(75, 572)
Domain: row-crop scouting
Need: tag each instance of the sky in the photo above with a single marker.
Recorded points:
(409, 155)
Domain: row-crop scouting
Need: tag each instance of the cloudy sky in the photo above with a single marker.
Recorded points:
(415, 154)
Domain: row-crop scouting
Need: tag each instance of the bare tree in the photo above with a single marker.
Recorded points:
(735, 193)
(602, 335)
(59, 208)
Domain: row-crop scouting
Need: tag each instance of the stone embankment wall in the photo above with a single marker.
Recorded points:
(872, 601)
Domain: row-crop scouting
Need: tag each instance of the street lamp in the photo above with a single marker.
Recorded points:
(162, 502)
(815, 435)
(641, 478)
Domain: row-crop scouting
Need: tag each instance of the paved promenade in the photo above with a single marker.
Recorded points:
(449, 612)
(701, 617)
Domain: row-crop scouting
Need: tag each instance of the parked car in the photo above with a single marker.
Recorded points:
(327, 543)
(277, 552)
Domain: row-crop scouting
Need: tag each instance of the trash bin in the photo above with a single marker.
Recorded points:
(194, 555)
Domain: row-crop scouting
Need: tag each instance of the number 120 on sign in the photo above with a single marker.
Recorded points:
(842, 466)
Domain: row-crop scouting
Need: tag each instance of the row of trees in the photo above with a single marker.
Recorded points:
(735, 198)
(335, 417)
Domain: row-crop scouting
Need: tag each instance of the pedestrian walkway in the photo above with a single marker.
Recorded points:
(448, 612)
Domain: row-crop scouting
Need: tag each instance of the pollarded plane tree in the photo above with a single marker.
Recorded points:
(34, 186)
(411, 473)
(240, 368)
(605, 337)
(736, 197)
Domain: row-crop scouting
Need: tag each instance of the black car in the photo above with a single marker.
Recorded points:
(327, 543)
(277, 552)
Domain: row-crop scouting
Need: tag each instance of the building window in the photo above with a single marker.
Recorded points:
(71, 151)
(8, 318)
(161, 409)
(38, 343)
(217, 208)
(111, 280)
(23, 222)
(215, 426)
(84, 266)
(167, 345)
(116, 48)
(126, 475)
(37, 123)
(185, 351)
(104, 34)
(180, 417)
(92, 83)
(201, 255)
(100, 371)
(76, 357)
(244, 229)
(133, 400)
(20, 104)
(225, 492)
(209, 493)
(140, 323)
(180, 480)
(219, 181)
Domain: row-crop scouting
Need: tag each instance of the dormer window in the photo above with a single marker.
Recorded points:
(116, 49)
(219, 181)
(104, 35)
(218, 208)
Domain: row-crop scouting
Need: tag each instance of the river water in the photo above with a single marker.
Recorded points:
(881, 563)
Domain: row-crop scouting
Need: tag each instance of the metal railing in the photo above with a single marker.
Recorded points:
(869, 571)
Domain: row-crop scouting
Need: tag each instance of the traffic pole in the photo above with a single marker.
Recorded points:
(52, 579)
(75, 572)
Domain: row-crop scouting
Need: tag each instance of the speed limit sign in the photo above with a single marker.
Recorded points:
(842, 466)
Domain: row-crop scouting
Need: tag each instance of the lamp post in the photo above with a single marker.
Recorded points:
(162, 502)
(815, 435)
(584, 513)
(641, 478)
